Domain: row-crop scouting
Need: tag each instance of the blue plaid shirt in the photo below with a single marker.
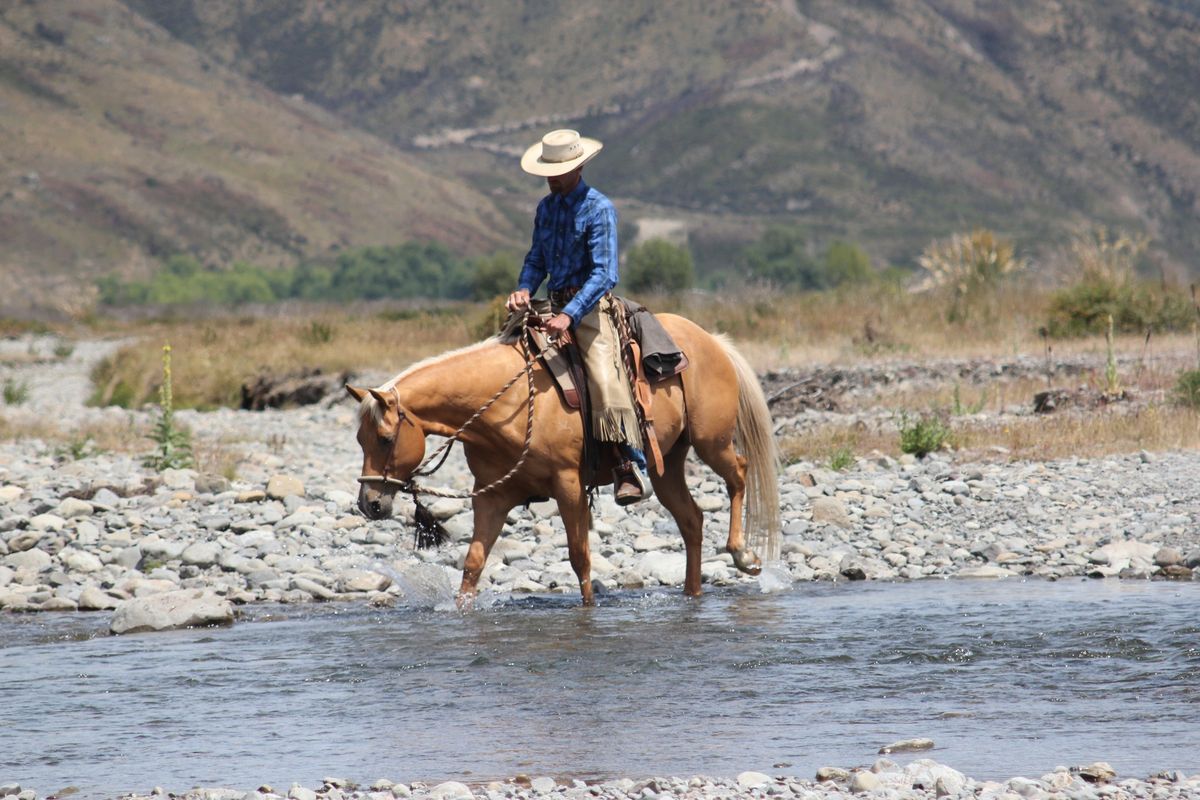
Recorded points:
(575, 243)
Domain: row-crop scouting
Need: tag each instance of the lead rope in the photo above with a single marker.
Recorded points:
(444, 450)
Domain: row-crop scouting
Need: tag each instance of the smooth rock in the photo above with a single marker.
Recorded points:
(864, 781)
(47, 522)
(74, 507)
(829, 510)
(282, 486)
(907, 746)
(666, 568)
(753, 780)
(168, 610)
(298, 792)
(80, 561)
(201, 554)
(450, 790)
(837, 774)
(10, 493)
(542, 785)
(93, 598)
(35, 560)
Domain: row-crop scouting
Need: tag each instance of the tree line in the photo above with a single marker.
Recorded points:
(781, 258)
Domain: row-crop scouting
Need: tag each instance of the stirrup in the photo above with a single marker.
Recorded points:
(629, 485)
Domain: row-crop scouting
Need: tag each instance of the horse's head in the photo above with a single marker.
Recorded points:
(393, 444)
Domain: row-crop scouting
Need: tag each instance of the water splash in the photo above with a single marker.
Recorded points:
(774, 577)
(422, 586)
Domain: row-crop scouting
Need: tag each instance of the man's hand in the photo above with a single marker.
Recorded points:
(558, 324)
(518, 300)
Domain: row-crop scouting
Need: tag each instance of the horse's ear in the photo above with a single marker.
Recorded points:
(355, 392)
(379, 396)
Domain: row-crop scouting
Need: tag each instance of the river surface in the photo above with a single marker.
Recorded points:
(1008, 678)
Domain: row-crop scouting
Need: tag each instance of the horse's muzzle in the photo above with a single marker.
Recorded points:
(373, 503)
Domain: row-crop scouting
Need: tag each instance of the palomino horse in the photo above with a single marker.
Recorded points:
(716, 401)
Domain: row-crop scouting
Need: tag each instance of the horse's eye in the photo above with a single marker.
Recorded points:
(387, 438)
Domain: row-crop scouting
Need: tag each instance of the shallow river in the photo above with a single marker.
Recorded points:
(1009, 678)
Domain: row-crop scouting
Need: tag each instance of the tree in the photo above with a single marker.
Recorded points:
(494, 276)
(658, 265)
(846, 263)
(781, 259)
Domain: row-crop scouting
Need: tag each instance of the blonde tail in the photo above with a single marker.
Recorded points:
(756, 442)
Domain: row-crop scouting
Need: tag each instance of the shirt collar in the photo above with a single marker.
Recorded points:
(577, 194)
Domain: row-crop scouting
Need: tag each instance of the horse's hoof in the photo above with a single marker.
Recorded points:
(746, 560)
(465, 601)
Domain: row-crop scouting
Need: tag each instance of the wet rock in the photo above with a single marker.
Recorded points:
(298, 792)
(174, 609)
(666, 568)
(907, 746)
(1168, 557)
(92, 598)
(835, 774)
(1097, 772)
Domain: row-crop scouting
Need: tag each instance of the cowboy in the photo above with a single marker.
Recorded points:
(575, 245)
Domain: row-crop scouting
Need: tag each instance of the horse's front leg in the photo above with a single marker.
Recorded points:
(577, 519)
(490, 511)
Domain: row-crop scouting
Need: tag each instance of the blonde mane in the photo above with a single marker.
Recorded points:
(370, 407)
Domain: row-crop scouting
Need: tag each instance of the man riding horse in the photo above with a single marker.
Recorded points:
(575, 245)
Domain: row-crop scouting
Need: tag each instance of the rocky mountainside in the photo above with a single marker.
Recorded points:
(889, 122)
(121, 145)
(132, 129)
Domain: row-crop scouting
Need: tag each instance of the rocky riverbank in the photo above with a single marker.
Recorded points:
(92, 530)
(885, 779)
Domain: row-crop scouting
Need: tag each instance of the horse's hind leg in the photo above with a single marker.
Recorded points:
(672, 491)
(725, 461)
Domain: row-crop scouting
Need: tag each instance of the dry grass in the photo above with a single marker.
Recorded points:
(110, 436)
(1062, 435)
(211, 359)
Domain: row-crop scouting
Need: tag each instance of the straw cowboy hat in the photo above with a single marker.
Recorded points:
(558, 153)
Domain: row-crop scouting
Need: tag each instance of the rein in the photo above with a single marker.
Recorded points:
(443, 452)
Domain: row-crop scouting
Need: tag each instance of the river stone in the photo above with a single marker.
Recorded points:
(1098, 772)
(450, 790)
(864, 781)
(341, 499)
(23, 541)
(177, 609)
(710, 502)
(251, 496)
(282, 486)
(105, 499)
(985, 571)
(312, 587)
(666, 568)
(837, 774)
(647, 542)
(201, 554)
(74, 507)
(10, 789)
(907, 746)
(752, 780)
(10, 493)
(830, 510)
(1168, 557)
(92, 598)
(58, 604)
(542, 785)
(47, 522)
(35, 560)
(298, 792)
(361, 580)
(80, 561)
(510, 550)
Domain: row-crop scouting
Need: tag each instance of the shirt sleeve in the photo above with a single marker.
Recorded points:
(602, 245)
(533, 271)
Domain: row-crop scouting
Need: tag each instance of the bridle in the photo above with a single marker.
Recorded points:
(443, 452)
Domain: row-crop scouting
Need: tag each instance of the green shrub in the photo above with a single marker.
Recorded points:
(841, 458)
(15, 393)
(1187, 389)
(658, 265)
(63, 350)
(846, 263)
(1084, 308)
(923, 435)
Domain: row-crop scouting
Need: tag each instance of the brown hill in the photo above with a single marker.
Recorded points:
(889, 121)
(120, 145)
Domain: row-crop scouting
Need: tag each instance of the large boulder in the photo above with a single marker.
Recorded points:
(188, 608)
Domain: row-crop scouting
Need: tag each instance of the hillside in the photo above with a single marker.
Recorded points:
(121, 145)
(888, 122)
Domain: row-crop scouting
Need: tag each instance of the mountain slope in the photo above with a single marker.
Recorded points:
(120, 145)
(889, 121)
